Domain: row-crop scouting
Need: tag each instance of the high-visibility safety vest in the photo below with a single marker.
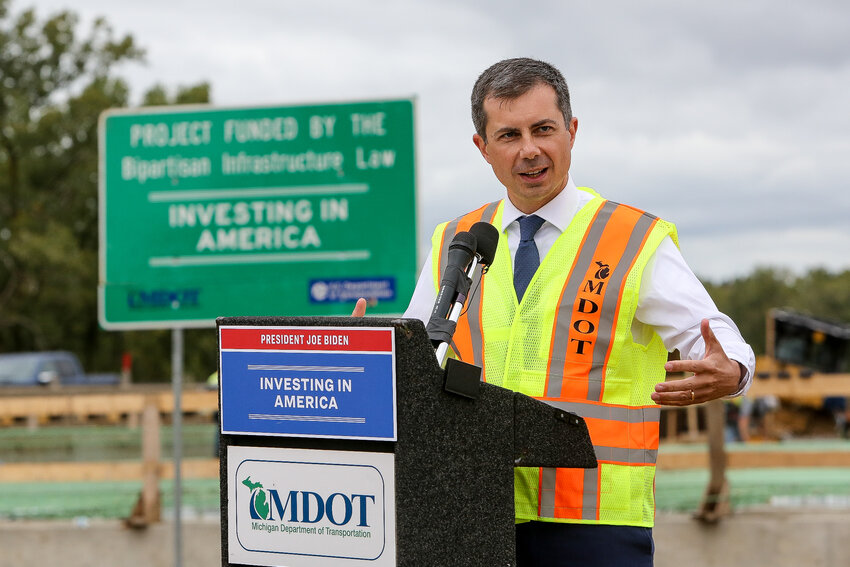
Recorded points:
(570, 343)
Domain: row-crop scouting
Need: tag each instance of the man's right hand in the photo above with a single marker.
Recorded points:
(359, 308)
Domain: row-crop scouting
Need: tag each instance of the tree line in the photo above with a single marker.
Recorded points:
(55, 80)
(818, 293)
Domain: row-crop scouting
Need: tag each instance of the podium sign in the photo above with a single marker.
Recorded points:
(441, 492)
(334, 382)
(308, 508)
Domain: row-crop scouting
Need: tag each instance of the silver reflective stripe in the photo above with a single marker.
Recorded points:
(589, 494)
(451, 229)
(588, 498)
(621, 455)
(615, 413)
(473, 314)
(547, 492)
(473, 318)
(560, 342)
(448, 234)
(610, 304)
(490, 212)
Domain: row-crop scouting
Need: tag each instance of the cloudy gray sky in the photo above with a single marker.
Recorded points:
(729, 118)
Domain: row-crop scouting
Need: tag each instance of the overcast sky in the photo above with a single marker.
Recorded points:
(727, 118)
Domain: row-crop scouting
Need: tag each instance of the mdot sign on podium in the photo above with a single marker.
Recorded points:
(209, 212)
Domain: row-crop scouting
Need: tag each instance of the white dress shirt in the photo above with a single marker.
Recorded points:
(671, 299)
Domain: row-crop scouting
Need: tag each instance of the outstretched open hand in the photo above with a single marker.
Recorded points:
(715, 376)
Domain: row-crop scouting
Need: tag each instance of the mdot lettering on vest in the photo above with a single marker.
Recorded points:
(586, 310)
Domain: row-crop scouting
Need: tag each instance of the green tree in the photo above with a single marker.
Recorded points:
(55, 80)
(824, 294)
(818, 293)
(54, 85)
(747, 300)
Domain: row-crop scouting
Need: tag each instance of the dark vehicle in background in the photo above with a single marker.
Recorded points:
(815, 343)
(53, 368)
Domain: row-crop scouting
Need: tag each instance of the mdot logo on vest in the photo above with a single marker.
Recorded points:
(307, 508)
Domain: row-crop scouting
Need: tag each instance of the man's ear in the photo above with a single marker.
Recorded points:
(573, 128)
(481, 144)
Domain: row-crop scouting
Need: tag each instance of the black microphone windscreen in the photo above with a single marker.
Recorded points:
(487, 237)
(465, 241)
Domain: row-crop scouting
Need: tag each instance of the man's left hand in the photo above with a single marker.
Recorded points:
(715, 376)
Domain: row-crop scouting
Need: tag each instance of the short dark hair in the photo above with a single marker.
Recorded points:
(509, 79)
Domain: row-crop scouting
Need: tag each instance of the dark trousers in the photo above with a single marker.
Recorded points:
(550, 544)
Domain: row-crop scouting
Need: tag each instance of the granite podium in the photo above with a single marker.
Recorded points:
(435, 478)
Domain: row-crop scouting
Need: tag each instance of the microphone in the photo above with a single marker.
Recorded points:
(454, 282)
(487, 237)
(441, 327)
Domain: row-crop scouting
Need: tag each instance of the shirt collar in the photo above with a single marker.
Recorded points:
(558, 212)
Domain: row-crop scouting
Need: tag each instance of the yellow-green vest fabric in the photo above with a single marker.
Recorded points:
(570, 343)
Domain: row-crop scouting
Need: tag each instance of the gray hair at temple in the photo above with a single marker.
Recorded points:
(509, 79)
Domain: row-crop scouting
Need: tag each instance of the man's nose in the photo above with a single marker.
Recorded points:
(529, 149)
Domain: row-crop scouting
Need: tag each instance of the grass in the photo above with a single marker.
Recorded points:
(112, 500)
(676, 491)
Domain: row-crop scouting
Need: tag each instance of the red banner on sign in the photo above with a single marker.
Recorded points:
(341, 339)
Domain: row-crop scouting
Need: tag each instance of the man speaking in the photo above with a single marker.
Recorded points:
(584, 299)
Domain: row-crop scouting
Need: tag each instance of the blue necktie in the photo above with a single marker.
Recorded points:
(527, 258)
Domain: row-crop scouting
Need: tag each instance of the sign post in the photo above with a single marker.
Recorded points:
(293, 210)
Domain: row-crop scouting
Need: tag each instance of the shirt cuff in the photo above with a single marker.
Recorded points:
(747, 379)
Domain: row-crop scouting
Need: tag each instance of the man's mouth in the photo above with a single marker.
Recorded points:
(534, 174)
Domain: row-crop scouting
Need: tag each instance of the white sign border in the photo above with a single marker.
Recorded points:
(392, 353)
(384, 463)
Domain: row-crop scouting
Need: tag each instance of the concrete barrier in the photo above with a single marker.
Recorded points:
(752, 539)
(775, 538)
(88, 543)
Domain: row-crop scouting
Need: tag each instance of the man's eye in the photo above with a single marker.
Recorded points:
(508, 136)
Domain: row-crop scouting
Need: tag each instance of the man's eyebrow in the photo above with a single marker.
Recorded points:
(505, 129)
(544, 121)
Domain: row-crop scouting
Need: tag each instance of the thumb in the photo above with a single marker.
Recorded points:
(712, 345)
(359, 308)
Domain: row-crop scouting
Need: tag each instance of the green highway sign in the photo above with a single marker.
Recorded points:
(296, 210)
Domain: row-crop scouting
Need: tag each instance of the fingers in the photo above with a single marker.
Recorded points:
(359, 308)
(678, 393)
(714, 376)
(683, 366)
(678, 397)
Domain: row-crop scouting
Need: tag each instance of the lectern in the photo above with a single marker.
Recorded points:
(341, 445)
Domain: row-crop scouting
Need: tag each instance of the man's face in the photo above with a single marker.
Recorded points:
(528, 146)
